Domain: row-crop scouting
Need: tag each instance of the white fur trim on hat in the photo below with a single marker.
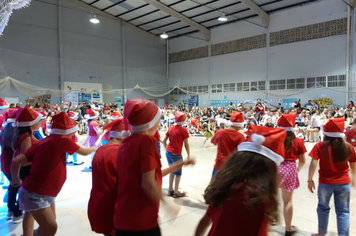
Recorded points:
(65, 131)
(27, 123)
(334, 134)
(237, 124)
(10, 120)
(260, 149)
(4, 107)
(149, 125)
(93, 117)
(120, 135)
(286, 128)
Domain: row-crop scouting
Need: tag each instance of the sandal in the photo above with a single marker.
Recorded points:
(170, 193)
(291, 233)
(179, 194)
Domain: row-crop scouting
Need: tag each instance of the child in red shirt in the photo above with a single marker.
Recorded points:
(335, 156)
(351, 134)
(101, 205)
(47, 175)
(177, 135)
(227, 140)
(288, 170)
(243, 197)
(93, 131)
(139, 172)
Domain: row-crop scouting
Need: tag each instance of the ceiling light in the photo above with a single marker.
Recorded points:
(94, 20)
(222, 18)
(164, 35)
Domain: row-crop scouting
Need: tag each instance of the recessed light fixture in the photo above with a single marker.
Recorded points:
(164, 35)
(94, 20)
(223, 17)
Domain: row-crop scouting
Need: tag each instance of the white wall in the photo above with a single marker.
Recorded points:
(318, 57)
(42, 37)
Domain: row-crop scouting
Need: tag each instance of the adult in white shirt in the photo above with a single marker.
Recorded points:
(313, 127)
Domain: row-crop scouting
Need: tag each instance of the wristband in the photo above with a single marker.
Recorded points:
(310, 181)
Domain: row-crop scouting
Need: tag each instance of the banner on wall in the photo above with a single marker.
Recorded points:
(72, 97)
(84, 97)
(96, 97)
(222, 103)
(117, 100)
(288, 103)
(193, 100)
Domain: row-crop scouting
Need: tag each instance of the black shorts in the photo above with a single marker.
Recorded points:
(152, 232)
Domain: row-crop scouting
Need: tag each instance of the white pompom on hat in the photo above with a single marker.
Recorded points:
(26, 117)
(62, 124)
(265, 141)
(141, 114)
(334, 128)
(117, 129)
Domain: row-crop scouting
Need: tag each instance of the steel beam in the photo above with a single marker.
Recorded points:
(261, 13)
(175, 14)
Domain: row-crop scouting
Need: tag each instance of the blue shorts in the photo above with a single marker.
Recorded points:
(29, 201)
(171, 158)
(103, 142)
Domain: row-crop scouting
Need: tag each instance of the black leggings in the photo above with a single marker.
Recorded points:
(152, 232)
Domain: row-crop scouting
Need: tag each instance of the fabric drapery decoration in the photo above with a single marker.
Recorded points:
(6, 8)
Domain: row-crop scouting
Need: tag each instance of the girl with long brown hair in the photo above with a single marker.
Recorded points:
(243, 197)
(288, 170)
(335, 155)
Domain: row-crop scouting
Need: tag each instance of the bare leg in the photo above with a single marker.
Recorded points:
(171, 179)
(46, 218)
(28, 224)
(288, 209)
(176, 186)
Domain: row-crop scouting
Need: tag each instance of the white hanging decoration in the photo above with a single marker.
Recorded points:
(6, 8)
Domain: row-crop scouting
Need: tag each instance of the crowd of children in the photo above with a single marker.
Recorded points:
(253, 160)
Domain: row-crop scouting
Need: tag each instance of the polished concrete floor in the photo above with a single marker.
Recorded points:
(71, 204)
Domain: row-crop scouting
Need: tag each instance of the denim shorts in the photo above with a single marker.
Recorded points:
(171, 158)
(29, 201)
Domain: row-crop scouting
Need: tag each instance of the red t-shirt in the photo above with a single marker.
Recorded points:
(231, 218)
(6, 159)
(48, 171)
(176, 135)
(46, 107)
(101, 207)
(1, 122)
(91, 126)
(298, 148)
(330, 172)
(106, 137)
(157, 136)
(351, 137)
(227, 141)
(75, 138)
(21, 139)
(44, 125)
(134, 209)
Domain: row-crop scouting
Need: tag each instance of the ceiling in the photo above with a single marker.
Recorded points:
(204, 12)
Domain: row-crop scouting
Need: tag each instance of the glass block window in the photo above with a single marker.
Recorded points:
(238, 87)
(246, 86)
(277, 84)
(296, 83)
(262, 85)
(254, 86)
(320, 82)
(229, 87)
(311, 82)
(337, 81)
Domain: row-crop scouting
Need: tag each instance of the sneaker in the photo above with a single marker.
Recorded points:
(10, 215)
(17, 219)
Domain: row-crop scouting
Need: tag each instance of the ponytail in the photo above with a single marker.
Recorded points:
(340, 150)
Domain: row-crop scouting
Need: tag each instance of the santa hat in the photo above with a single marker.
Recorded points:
(180, 117)
(237, 119)
(62, 124)
(9, 116)
(287, 122)
(141, 114)
(117, 129)
(334, 128)
(73, 115)
(43, 114)
(55, 107)
(92, 114)
(115, 115)
(26, 117)
(3, 104)
(265, 141)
